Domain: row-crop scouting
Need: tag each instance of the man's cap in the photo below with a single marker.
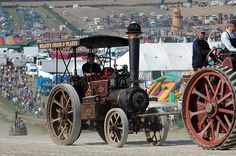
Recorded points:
(231, 23)
(200, 30)
(91, 55)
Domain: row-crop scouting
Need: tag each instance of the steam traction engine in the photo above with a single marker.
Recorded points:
(113, 102)
(209, 103)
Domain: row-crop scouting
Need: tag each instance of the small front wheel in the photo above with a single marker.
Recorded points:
(116, 127)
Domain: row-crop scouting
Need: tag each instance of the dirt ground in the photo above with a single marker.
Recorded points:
(39, 143)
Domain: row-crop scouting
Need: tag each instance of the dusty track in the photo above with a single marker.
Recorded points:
(38, 143)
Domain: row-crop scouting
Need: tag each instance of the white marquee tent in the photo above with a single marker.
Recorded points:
(163, 56)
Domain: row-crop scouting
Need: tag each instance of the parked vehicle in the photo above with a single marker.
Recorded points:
(44, 85)
(31, 69)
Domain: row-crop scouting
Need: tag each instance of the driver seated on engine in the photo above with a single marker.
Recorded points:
(91, 69)
(228, 38)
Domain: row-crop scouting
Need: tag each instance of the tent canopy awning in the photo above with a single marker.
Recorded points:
(99, 41)
(163, 56)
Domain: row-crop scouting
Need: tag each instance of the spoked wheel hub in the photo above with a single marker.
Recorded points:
(209, 108)
(64, 114)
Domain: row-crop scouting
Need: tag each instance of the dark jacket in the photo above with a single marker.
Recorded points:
(87, 67)
(200, 50)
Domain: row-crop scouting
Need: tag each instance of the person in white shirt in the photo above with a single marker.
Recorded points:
(228, 38)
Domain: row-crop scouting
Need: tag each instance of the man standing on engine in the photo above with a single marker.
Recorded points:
(200, 50)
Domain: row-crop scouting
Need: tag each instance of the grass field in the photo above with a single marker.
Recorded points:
(51, 21)
(6, 106)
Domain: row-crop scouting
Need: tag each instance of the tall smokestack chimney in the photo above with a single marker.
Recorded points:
(134, 31)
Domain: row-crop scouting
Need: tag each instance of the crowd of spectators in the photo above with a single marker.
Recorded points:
(16, 87)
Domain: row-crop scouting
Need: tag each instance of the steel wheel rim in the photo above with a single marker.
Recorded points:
(63, 115)
(210, 117)
(115, 128)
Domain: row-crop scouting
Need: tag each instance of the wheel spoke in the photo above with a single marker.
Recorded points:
(70, 122)
(58, 111)
(155, 137)
(221, 123)
(62, 131)
(231, 102)
(116, 117)
(119, 128)
(217, 129)
(111, 122)
(70, 112)
(222, 90)
(212, 130)
(200, 94)
(116, 138)
(224, 97)
(226, 111)
(227, 120)
(207, 92)
(205, 129)
(62, 102)
(57, 119)
(217, 89)
(209, 82)
(56, 102)
(67, 102)
(202, 120)
(64, 96)
(196, 113)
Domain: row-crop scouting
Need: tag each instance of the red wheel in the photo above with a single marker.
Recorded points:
(209, 108)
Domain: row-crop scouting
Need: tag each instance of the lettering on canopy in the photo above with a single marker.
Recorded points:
(59, 44)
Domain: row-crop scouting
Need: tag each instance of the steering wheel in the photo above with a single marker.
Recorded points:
(216, 56)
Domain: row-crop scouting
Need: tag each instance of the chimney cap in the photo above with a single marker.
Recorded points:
(134, 28)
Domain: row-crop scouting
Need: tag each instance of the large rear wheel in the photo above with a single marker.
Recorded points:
(63, 114)
(209, 107)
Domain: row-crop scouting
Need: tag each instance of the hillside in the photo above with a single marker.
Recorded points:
(88, 2)
(7, 113)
